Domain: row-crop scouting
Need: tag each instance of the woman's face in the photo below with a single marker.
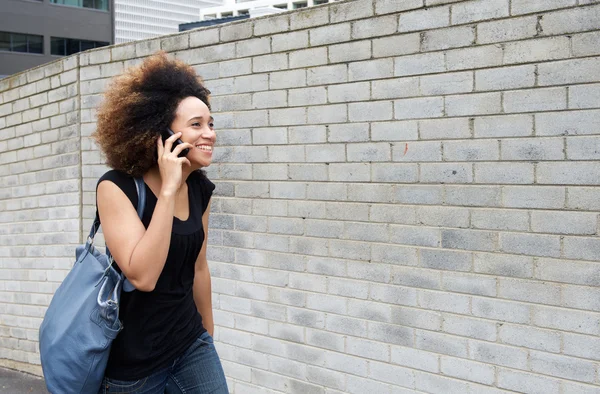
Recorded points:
(193, 119)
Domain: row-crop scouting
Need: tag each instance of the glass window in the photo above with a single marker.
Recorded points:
(19, 42)
(301, 4)
(73, 46)
(4, 41)
(317, 2)
(95, 4)
(57, 46)
(36, 44)
(67, 46)
(85, 45)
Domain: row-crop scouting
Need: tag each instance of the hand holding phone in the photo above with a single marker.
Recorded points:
(167, 134)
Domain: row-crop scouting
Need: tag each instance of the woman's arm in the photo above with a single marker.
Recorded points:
(141, 253)
(202, 288)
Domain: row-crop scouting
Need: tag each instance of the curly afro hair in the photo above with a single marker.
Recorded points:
(138, 105)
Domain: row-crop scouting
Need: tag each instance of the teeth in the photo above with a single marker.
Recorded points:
(207, 148)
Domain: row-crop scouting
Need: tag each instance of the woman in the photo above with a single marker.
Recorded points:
(166, 343)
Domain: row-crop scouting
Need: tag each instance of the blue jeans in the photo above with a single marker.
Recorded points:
(197, 371)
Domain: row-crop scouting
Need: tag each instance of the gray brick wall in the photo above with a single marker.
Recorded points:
(407, 194)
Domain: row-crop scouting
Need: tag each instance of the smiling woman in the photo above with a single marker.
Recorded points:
(155, 124)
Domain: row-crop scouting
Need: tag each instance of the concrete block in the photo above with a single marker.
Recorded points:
(441, 343)
(350, 172)
(198, 38)
(324, 114)
(429, 107)
(308, 57)
(446, 173)
(539, 49)
(426, 63)
(511, 380)
(505, 78)
(473, 104)
(391, 6)
(495, 309)
(454, 37)
(571, 20)
(500, 219)
(565, 320)
(348, 132)
(530, 244)
(566, 123)
(253, 47)
(327, 75)
(434, 129)
(467, 370)
(487, 150)
(252, 83)
(326, 153)
(446, 260)
(352, 51)
(290, 41)
(309, 17)
(428, 18)
(571, 223)
(562, 366)
(442, 84)
(534, 197)
(563, 173)
(403, 44)
(469, 327)
(504, 173)
(394, 173)
(273, 24)
(307, 134)
(586, 44)
(374, 27)
(390, 333)
(381, 110)
(287, 116)
(507, 30)
(533, 149)
(583, 96)
(349, 11)
(527, 6)
(394, 88)
(491, 353)
(551, 99)
(474, 57)
(330, 34)
(307, 96)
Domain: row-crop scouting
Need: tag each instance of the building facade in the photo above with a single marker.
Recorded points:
(242, 7)
(34, 32)
(142, 19)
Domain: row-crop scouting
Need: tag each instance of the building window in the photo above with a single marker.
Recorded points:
(95, 4)
(17, 42)
(243, 12)
(300, 4)
(319, 2)
(67, 46)
(226, 14)
(282, 6)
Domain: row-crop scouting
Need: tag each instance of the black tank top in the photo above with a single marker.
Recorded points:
(158, 326)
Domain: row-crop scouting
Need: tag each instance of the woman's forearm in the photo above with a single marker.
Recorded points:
(150, 254)
(203, 298)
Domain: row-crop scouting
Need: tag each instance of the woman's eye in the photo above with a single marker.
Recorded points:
(196, 124)
(211, 125)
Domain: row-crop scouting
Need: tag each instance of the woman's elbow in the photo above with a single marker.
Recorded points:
(146, 285)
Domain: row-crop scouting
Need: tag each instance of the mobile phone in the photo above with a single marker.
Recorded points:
(167, 134)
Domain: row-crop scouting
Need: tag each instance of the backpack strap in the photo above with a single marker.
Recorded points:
(141, 192)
